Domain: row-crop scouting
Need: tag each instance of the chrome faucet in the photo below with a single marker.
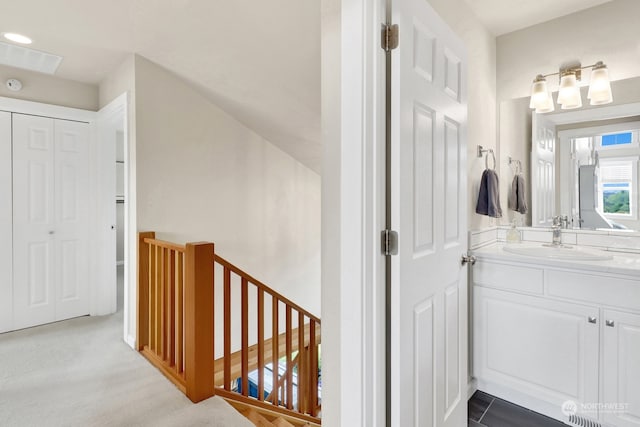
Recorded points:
(557, 231)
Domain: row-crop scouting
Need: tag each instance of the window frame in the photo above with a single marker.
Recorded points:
(633, 188)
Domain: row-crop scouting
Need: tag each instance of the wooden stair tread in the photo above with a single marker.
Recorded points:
(281, 422)
(262, 417)
(257, 419)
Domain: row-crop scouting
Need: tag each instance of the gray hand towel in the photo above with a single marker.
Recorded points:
(517, 200)
(489, 195)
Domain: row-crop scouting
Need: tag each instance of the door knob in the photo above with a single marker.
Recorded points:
(468, 259)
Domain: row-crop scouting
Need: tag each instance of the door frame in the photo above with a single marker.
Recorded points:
(115, 116)
(353, 212)
(110, 119)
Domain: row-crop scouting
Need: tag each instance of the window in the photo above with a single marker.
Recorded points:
(616, 139)
(616, 187)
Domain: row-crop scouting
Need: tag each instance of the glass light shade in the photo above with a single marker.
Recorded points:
(548, 107)
(539, 94)
(600, 87)
(569, 93)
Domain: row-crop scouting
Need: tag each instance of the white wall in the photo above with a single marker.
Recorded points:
(608, 32)
(202, 175)
(48, 89)
(481, 51)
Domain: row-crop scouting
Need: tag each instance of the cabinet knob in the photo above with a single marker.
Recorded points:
(51, 232)
(593, 319)
(610, 323)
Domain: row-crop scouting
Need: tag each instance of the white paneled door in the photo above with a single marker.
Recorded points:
(429, 211)
(6, 226)
(543, 154)
(50, 219)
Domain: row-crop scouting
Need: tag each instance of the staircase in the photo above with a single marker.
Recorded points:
(196, 314)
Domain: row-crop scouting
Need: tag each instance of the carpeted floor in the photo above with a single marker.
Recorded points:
(81, 373)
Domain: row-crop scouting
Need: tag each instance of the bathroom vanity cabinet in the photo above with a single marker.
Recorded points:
(546, 333)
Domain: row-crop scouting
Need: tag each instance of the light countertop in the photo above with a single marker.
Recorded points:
(622, 262)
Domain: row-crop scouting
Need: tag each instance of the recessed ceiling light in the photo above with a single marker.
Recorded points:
(18, 38)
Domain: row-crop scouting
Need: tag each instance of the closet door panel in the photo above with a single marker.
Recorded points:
(34, 257)
(71, 217)
(6, 245)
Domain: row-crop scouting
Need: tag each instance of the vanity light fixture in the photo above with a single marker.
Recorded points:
(17, 38)
(569, 92)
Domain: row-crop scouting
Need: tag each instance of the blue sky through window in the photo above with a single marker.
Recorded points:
(616, 139)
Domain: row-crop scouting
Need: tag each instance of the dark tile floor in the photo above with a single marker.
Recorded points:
(489, 411)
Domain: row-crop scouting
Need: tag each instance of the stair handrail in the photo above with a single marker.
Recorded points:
(176, 333)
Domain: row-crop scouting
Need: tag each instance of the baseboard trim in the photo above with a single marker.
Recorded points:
(131, 341)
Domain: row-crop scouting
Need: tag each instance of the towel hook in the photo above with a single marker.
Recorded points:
(518, 164)
(481, 151)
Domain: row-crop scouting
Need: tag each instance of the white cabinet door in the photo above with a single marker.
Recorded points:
(50, 186)
(71, 218)
(429, 211)
(541, 348)
(621, 369)
(6, 227)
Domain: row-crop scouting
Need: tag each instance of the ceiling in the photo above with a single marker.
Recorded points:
(258, 60)
(505, 16)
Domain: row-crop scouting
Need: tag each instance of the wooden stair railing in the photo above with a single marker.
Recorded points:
(176, 327)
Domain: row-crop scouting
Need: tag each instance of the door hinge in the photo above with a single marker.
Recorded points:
(389, 242)
(389, 37)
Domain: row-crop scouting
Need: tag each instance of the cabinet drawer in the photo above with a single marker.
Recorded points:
(507, 276)
(593, 288)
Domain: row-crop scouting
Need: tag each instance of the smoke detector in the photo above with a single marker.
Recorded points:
(14, 85)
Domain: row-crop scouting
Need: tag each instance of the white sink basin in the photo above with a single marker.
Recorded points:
(562, 252)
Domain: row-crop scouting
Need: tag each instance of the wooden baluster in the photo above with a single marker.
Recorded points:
(179, 343)
(260, 344)
(301, 364)
(153, 279)
(144, 283)
(289, 399)
(275, 350)
(313, 369)
(199, 303)
(227, 329)
(171, 312)
(162, 315)
(245, 337)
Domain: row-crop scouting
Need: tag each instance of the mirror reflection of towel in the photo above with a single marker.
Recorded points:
(516, 200)
(489, 195)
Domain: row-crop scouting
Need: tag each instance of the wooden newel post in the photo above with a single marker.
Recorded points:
(198, 310)
(142, 332)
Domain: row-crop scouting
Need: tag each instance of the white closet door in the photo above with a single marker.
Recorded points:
(6, 247)
(72, 222)
(50, 210)
(33, 220)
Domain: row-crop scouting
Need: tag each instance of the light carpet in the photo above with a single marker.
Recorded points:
(80, 372)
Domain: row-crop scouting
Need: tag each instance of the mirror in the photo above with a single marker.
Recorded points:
(554, 147)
